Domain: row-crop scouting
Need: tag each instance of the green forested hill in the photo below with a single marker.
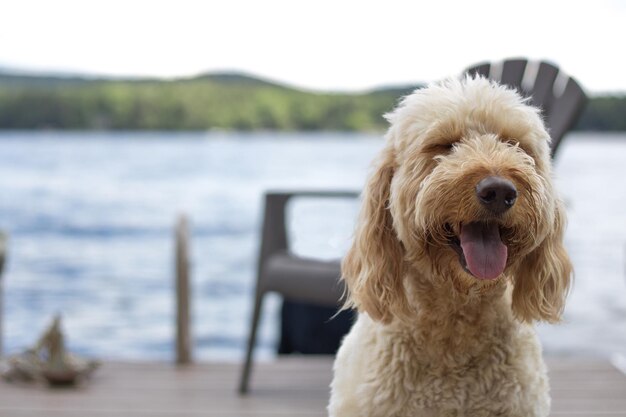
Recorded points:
(605, 113)
(213, 101)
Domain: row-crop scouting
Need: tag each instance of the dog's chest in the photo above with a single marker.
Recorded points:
(475, 388)
(491, 380)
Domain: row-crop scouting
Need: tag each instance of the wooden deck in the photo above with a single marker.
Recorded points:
(295, 387)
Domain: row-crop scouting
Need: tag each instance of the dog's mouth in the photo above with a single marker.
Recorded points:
(480, 249)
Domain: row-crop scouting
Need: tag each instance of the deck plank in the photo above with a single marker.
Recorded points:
(294, 386)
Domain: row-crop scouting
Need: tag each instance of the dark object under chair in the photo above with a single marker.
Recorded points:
(311, 329)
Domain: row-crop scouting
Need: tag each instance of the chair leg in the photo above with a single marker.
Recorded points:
(245, 374)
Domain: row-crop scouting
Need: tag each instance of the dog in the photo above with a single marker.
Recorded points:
(458, 250)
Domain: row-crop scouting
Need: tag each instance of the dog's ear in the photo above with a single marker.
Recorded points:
(544, 277)
(373, 267)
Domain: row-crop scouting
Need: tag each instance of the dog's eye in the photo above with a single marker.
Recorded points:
(511, 142)
(514, 143)
(440, 147)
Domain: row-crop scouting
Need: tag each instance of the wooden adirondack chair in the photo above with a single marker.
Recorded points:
(560, 98)
(303, 280)
(317, 282)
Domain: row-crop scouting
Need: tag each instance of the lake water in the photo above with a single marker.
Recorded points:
(90, 218)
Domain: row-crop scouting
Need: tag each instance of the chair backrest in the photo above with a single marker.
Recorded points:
(560, 98)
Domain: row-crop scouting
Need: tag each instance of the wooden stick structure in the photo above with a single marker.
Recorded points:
(49, 360)
(183, 319)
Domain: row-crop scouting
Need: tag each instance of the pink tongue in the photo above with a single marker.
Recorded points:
(484, 251)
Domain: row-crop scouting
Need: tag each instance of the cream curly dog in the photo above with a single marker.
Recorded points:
(457, 251)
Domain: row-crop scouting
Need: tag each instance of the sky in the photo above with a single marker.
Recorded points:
(319, 45)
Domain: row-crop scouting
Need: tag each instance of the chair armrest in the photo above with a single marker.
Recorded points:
(302, 279)
(287, 194)
(274, 229)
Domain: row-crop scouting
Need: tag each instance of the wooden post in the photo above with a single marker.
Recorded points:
(3, 250)
(183, 333)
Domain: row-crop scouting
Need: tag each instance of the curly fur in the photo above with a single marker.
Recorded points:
(431, 340)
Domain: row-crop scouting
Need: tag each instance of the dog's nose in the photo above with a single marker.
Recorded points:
(496, 194)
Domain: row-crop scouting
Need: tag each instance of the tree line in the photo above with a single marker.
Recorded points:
(218, 101)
